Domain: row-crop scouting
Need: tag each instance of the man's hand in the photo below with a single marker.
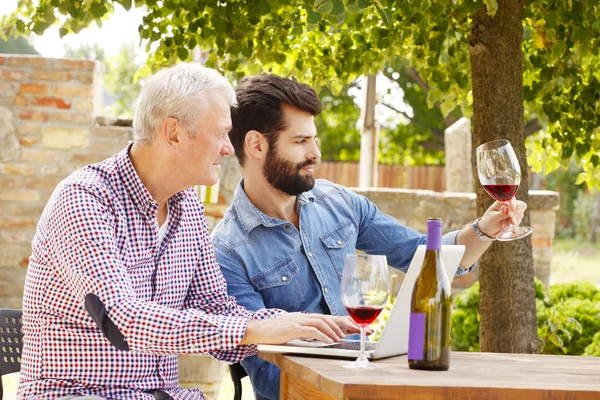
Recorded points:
(325, 328)
(499, 216)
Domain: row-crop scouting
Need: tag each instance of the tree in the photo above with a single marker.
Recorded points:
(121, 82)
(448, 43)
(86, 51)
(16, 46)
(497, 76)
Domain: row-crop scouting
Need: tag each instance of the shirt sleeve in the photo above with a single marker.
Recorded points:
(208, 291)
(379, 233)
(88, 262)
(263, 374)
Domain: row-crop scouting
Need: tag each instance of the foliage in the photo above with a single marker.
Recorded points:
(86, 51)
(568, 317)
(337, 126)
(465, 320)
(120, 81)
(583, 209)
(331, 42)
(16, 46)
(594, 348)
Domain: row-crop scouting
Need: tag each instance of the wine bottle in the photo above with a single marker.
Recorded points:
(429, 334)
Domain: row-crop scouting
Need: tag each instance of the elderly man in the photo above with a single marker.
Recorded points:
(283, 241)
(123, 277)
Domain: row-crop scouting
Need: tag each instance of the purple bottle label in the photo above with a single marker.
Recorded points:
(434, 234)
(416, 336)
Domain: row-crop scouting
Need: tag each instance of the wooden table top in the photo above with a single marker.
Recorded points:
(471, 376)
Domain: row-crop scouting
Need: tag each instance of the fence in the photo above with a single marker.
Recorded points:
(389, 176)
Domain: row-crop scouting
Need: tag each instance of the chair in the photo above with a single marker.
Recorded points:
(11, 342)
(237, 372)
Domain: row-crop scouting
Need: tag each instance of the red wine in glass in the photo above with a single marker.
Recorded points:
(500, 175)
(501, 192)
(365, 290)
(364, 315)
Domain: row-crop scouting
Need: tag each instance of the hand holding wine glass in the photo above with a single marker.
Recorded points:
(365, 290)
(500, 174)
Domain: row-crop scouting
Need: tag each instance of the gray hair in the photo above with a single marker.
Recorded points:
(178, 92)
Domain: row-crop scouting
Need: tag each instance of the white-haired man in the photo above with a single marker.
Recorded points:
(123, 277)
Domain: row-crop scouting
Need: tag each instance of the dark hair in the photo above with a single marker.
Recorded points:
(259, 107)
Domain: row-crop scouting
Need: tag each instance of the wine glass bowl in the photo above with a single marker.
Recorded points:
(500, 175)
(365, 291)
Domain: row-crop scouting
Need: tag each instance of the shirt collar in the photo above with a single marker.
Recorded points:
(250, 216)
(140, 196)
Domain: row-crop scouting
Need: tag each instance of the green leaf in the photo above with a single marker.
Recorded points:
(581, 178)
(492, 7)
(324, 6)
(337, 7)
(575, 323)
(126, 4)
(182, 53)
(386, 17)
(554, 338)
(98, 10)
(579, 34)
(312, 17)
(353, 6)
(558, 49)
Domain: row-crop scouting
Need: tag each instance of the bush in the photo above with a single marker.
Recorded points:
(594, 348)
(568, 319)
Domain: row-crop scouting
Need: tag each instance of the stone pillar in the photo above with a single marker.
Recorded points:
(542, 211)
(202, 372)
(458, 150)
(48, 109)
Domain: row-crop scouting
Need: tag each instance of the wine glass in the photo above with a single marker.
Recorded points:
(365, 290)
(500, 175)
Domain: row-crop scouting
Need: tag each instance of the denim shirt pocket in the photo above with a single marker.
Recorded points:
(338, 243)
(280, 286)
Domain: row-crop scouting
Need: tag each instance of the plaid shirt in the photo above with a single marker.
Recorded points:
(97, 248)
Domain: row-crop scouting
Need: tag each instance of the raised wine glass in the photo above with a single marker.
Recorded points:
(365, 290)
(500, 175)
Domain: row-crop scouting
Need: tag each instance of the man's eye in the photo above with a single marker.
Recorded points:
(302, 141)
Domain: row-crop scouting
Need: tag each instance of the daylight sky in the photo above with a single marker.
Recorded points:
(121, 27)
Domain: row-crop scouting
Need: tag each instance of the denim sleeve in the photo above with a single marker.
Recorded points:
(263, 375)
(379, 233)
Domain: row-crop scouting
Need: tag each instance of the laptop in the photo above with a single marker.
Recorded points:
(394, 338)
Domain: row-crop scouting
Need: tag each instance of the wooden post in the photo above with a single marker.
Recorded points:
(369, 139)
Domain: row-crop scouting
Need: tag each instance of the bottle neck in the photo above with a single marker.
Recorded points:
(434, 237)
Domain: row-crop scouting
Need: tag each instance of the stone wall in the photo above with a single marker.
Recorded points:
(48, 129)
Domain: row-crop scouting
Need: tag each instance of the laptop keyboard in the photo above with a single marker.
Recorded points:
(369, 346)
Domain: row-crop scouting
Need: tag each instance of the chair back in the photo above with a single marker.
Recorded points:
(237, 372)
(11, 342)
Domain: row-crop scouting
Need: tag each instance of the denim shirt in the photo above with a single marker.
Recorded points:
(267, 262)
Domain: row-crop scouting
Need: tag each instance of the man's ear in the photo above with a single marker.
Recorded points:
(256, 145)
(171, 131)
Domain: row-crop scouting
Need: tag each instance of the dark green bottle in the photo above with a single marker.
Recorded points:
(429, 335)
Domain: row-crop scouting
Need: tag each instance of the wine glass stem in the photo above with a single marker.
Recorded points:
(363, 335)
(511, 227)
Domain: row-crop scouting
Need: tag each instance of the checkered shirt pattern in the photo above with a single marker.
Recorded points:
(99, 235)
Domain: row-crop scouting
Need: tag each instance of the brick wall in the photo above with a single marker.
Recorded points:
(48, 129)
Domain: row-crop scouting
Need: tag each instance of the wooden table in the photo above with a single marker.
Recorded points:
(489, 376)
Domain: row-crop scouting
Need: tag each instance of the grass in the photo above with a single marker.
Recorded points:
(575, 260)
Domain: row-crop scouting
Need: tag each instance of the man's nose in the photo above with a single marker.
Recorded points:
(227, 149)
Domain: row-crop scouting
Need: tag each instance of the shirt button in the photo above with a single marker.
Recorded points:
(287, 227)
(326, 290)
(194, 347)
(284, 278)
(339, 242)
(309, 254)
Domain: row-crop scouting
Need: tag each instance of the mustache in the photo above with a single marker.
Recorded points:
(307, 163)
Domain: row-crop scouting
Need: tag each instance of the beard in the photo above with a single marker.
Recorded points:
(285, 176)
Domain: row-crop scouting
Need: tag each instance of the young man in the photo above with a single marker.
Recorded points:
(123, 277)
(283, 241)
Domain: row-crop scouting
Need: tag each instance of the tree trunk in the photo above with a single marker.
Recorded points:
(507, 302)
(595, 218)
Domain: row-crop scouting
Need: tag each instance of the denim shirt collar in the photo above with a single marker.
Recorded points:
(250, 216)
